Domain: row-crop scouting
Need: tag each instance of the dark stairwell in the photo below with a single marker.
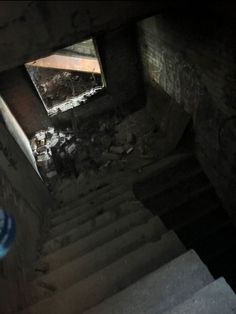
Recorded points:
(134, 211)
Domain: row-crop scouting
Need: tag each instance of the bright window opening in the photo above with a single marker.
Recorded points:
(67, 78)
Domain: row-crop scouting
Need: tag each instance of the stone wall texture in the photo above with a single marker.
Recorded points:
(192, 57)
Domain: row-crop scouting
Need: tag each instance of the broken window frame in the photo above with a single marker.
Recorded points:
(80, 99)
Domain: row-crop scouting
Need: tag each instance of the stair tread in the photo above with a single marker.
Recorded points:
(158, 184)
(111, 279)
(177, 195)
(90, 224)
(88, 214)
(215, 298)
(148, 169)
(161, 290)
(100, 257)
(87, 197)
(98, 238)
(80, 210)
(207, 224)
(184, 214)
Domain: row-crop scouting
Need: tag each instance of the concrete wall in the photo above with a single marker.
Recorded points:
(23, 194)
(32, 29)
(191, 55)
(22, 99)
(21, 173)
(124, 91)
(14, 266)
(17, 133)
(119, 58)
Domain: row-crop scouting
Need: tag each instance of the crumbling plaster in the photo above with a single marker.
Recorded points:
(32, 29)
(193, 59)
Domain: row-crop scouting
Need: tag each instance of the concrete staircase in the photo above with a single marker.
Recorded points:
(106, 253)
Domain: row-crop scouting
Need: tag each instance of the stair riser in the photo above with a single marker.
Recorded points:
(82, 230)
(115, 277)
(96, 207)
(96, 239)
(84, 266)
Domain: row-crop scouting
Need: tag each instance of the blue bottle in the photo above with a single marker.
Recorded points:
(7, 232)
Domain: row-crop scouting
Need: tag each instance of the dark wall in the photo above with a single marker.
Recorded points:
(32, 29)
(25, 197)
(15, 265)
(120, 61)
(22, 99)
(124, 90)
(121, 64)
(191, 55)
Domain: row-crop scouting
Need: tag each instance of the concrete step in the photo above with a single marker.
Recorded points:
(110, 184)
(108, 281)
(224, 264)
(78, 218)
(180, 216)
(215, 298)
(169, 178)
(207, 224)
(99, 258)
(163, 166)
(82, 210)
(94, 198)
(96, 239)
(181, 201)
(177, 194)
(161, 290)
(216, 242)
(87, 225)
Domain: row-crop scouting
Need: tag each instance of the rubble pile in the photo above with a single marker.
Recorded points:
(49, 146)
(104, 142)
(64, 88)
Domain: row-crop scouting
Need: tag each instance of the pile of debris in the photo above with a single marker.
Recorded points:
(51, 147)
(101, 143)
(62, 90)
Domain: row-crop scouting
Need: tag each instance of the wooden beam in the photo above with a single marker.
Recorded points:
(68, 63)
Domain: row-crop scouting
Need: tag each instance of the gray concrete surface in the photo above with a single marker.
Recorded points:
(160, 290)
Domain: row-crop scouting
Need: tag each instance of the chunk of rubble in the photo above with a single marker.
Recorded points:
(117, 149)
(110, 156)
(129, 150)
(130, 138)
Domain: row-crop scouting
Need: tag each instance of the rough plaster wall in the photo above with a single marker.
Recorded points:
(22, 99)
(14, 267)
(23, 194)
(118, 51)
(17, 132)
(21, 174)
(32, 29)
(191, 57)
(124, 90)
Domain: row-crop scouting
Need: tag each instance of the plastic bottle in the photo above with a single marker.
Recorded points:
(7, 232)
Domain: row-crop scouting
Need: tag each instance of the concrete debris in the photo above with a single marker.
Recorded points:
(131, 139)
(110, 156)
(101, 143)
(48, 145)
(129, 150)
(51, 174)
(117, 149)
(63, 90)
(106, 141)
(71, 148)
